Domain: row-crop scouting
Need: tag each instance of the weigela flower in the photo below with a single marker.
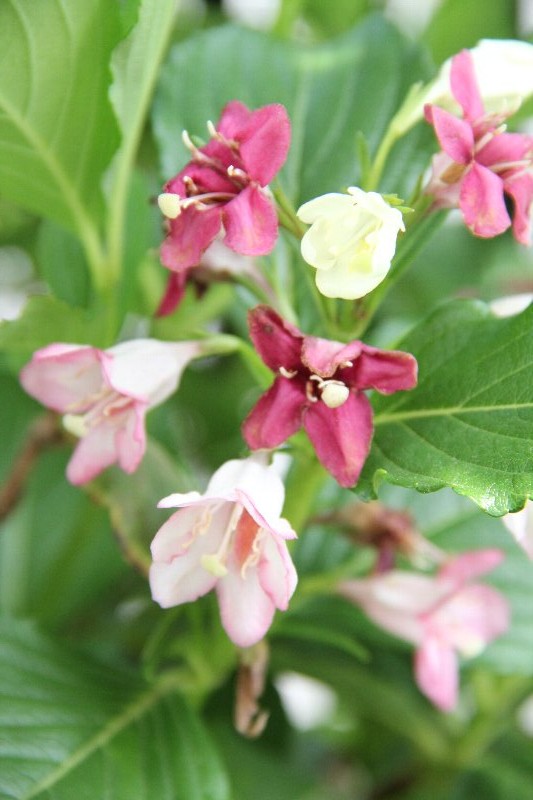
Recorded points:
(230, 539)
(223, 186)
(351, 242)
(444, 616)
(480, 164)
(319, 385)
(105, 394)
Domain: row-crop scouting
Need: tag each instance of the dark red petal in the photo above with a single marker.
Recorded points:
(206, 178)
(265, 142)
(481, 201)
(464, 86)
(276, 416)
(277, 341)
(190, 234)
(323, 357)
(387, 371)
(174, 292)
(341, 436)
(521, 190)
(455, 135)
(251, 223)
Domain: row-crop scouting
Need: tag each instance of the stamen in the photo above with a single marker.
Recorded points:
(332, 393)
(75, 424)
(255, 554)
(236, 173)
(287, 373)
(215, 563)
(211, 129)
(169, 205)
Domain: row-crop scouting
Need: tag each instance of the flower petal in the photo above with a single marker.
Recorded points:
(174, 293)
(471, 618)
(341, 436)
(276, 416)
(190, 234)
(464, 86)
(64, 377)
(323, 356)
(277, 341)
(95, 451)
(265, 142)
(521, 191)
(455, 135)
(233, 119)
(470, 565)
(246, 609)
(386, 371)
(250, 222)
(481, 201)
(436, 672)
(277, 574)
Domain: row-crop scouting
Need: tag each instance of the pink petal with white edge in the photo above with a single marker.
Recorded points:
(455, 135)
(464, 86)
(521, 191)
(341, 436)
(277, 574)
(482, 203)
(190, 234)
(97, 450)
(246, 609)
(251, 223)
(130, 439)
(276, 415)
(64, 377)
(386, 371)
(265, 142)
(177, 575)
(277, 341)
(436, 672)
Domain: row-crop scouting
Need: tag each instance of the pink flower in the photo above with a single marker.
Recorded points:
(480, 164)
(319, 386)
(443, 616)
(223, 187)
(105, 395)
(230, 539)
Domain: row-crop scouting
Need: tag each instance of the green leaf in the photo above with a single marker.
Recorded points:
(62, 264)
(353, 83)
(57, 131)
(73, 727)
(46, 320)
(469, 422)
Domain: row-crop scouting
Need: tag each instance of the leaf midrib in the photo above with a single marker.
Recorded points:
(451, 411)
(144, 703)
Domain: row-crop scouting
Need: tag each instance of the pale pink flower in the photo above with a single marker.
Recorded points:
(230, 539)
(105, 394)
(480, 165)
(444, 616)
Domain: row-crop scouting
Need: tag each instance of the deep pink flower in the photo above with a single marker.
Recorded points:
(222, 187)
(442, 615)
(105, 394)
(480, 163)
(319, 386)
(231, 539)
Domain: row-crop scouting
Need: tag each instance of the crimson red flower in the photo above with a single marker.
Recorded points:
(319, 386)
(223, 188)
(480, 163)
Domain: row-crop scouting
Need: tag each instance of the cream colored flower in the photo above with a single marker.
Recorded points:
(351, 242)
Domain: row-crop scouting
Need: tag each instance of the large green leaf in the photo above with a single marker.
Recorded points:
(469, 422)
(57, 131)
(332, 91)
(72, 727)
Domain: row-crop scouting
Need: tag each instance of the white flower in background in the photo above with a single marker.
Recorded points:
(351, 242)
(504, 74)
(17, 282)
(260, 14)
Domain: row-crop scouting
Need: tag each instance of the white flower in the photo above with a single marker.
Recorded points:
(351, 241)
(504, 73)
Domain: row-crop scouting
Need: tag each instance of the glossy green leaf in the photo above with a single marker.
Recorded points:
(57, 131)
(72, 727)
(62, 264)
(469, 422)
(353, 83)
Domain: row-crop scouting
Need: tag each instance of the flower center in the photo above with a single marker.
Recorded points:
(242, 536)
(103, 406)
(333, 393)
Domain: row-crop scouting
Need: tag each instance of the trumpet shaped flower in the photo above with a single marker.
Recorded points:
(105, 394)
(444, 616)
(351, 241)
(223, 188)
(319, 386)
(480, 165)
(230, 539)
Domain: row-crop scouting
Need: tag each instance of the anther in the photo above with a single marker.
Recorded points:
(169, 204)
(287, 373)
